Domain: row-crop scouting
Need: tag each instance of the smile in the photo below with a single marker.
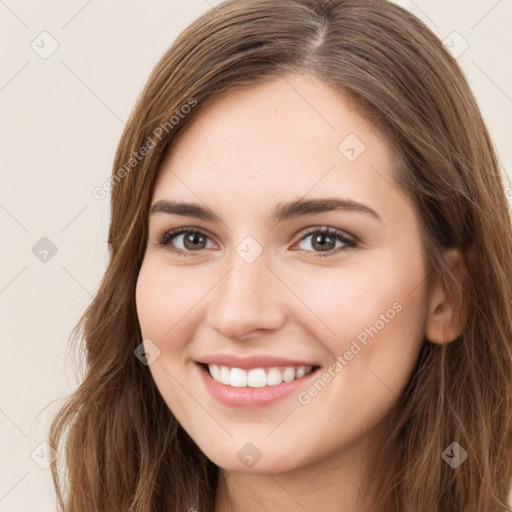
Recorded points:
(257, 381)
(256, 377)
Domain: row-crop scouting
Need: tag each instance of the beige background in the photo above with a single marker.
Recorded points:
(61, 116)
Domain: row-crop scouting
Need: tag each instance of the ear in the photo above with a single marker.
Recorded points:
(447, 313)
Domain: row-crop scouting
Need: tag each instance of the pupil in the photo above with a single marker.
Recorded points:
(192, 239)
(318, 244)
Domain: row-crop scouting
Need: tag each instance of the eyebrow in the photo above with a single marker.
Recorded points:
(281, 212)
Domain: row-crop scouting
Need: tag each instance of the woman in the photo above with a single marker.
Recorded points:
(308, 302)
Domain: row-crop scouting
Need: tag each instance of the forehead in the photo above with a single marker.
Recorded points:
(291, 136)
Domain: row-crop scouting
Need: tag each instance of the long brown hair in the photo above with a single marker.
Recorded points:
(118, 442)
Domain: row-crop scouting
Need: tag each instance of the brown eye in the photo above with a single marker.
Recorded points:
(193, 241)
(326, 240)
(322, 242)
(185, 240)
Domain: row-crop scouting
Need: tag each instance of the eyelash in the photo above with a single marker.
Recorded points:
(350, 243)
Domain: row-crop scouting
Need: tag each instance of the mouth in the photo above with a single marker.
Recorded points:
(249, 388)
(254, 381)
(258, 377)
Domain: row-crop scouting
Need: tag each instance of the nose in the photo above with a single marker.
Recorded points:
(249, 300)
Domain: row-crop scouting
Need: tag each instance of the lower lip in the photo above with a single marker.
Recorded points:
(251, 397)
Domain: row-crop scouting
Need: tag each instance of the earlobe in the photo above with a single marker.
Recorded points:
(447, 314)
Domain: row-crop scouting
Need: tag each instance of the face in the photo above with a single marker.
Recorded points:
(282, 292)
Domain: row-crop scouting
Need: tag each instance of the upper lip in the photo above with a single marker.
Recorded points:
(249, 362)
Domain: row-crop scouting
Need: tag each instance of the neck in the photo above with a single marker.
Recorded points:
(333, 483)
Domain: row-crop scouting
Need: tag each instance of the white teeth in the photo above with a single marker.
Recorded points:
(215, 371)
(256, 377)
(274, 377)
(300, 372)
(224, 375)
(238, 378)
(289, 374)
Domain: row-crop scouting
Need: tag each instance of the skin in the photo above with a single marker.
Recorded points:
(243, 154)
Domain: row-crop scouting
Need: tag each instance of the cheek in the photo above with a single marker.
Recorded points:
(165, 303)
(372, 324)
(165, 300)
(362, 300)
(378, 316)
